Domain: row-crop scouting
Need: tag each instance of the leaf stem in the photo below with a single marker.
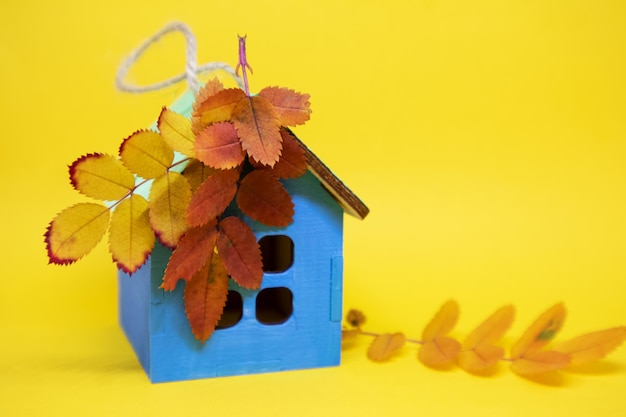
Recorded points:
(243, 63)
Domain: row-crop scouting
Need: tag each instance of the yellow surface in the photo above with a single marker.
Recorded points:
(488, 138)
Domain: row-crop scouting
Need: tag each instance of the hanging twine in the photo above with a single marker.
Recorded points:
(191, 68)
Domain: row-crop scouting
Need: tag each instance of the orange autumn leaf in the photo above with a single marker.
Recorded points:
(592, 346)
(348, 334)
(75, 231)
(101, 176)
(130, 237)
(258, 128)
(220, 106)
(212, 87)
(194, 250)
(240, 252)
(212, 197)
(439, 349)
(293, 108)
(262, 197)
(168, 200)
(479, 351)
(205, 297)
(385, 345)
(292, 162)
(218, 146)
(176, 132)
(196, 172)
(538, 361)
(540, 332)
(146, 154)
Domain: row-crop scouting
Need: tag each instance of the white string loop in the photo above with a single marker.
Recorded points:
(191, 68)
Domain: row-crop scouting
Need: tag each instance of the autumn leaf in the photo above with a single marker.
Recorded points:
(385, 345)
(437, 348)
(220, 106)
(146, 154)
(479, 351)
(176, 132)
(348, 334)
(168, 200)
(536, 362)
(212, 197)
(292, 162)
(292, 108)
(240, 252)
(75, 231)
(130, 237)
(194, 250)
(262, 197)
(205, 297)
(210, 88)
(196, 172)
(592, 346)
(355, 318)
(218, 146)
(101, 176)
(543, 329)
(258, 128)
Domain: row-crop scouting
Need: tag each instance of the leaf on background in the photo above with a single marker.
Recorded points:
(196, 172)
(75, 231)
(194, 250)
(262, 197)
(258, 128)
(212, 197)
(355, 318)
(293, 108)
(169, 197)
(292, 163)
(212, 87)
(101, 176)
(240, 252)
(176, 131)
(205, 297)
(218, 146)
(385, 345)
(479, 351)
(146, 154)
(538, 361)
(348, 334)
(540, 332)
(592, 346)
(219, 107)
(131, 238)
(438, 349)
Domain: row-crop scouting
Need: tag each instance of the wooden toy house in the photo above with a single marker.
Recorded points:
(292, 322)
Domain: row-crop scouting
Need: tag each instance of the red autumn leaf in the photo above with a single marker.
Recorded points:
(262, 197)
(293, 108)
(218, 146)
(258, 128)
(240, 252)
(194, 250)
(196, 172)
(212, 197)
(219, 106)
(212, 87)
(292, 163)
(205, 298)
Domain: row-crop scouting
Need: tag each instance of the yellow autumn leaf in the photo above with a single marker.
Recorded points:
(101, 176)
(168, 200)
(146, 154)
(385, 345)
(348, 334)
(176, 131)
(75, 231)
(537, 362)
(592, 346)
(479, 351)
(439, 351)
(442, 322)
(540, 332)
(130, 237)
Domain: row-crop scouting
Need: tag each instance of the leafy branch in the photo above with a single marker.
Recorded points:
(480, 349)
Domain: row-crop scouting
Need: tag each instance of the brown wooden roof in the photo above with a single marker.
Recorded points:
(344, 196)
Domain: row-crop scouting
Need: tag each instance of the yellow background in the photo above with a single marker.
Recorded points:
(487, 137)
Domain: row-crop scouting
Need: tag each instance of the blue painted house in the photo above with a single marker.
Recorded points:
(292, 322)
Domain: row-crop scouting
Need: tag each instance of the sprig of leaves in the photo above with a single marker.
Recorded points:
(235, 151)
(480, 350)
